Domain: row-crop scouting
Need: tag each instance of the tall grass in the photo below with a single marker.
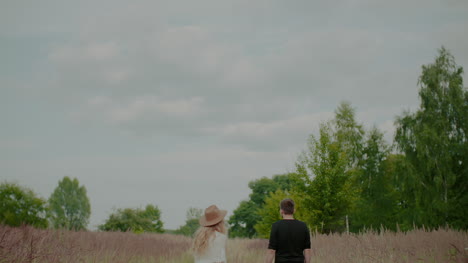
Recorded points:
(26, 244)
(443, 245)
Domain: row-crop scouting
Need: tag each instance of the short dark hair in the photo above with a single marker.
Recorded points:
(287, 205)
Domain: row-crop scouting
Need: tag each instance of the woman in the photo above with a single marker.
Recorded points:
(209, 243)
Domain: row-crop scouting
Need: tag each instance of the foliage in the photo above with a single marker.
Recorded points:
(348, 134)
(399, 171)
(245, 216)
(270, 212)
(243, 220)
(377, 202)
(434, 141)
(263, 186)
(325, 171)
(69, 205)
(192, 222)
(20, 206)
(136, 220)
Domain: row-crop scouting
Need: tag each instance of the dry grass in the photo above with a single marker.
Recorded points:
(415, 246)
(26, 244)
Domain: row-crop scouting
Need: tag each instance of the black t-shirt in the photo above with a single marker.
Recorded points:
(289, 238)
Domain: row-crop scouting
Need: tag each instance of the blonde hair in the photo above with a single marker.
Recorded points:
(204, 234)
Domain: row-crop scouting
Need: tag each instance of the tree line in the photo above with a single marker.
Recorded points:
(68, 207)
(350, 179)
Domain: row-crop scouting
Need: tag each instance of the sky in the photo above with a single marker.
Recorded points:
(181, 103)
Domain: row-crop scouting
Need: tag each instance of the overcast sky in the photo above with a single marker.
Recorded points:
(182, 103)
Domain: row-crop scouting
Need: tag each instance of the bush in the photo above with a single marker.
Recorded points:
(136, 220)
(21, 206)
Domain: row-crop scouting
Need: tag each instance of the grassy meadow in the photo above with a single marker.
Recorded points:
(27, 244)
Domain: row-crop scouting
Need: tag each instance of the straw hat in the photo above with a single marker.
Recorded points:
(212, 216)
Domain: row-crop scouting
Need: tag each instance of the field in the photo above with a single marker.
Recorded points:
(26, 244)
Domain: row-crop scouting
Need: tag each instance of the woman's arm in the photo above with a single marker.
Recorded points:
(307, 255)
(270, 255)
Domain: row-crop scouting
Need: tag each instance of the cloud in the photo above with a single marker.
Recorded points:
(154, 55)
(270, 136)
(194, 115)
(187, 76)
(89, 51)
(16, 144)
(190, 48)
(125, 111)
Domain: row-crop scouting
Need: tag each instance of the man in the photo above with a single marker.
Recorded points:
(289, 238)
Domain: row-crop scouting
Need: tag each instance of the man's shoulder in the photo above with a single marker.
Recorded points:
(277, 223)
(301, 222)
(293, 221)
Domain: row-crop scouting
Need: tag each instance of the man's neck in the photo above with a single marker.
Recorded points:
(288, 217)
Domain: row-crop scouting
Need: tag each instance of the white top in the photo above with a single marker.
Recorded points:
(216, 250)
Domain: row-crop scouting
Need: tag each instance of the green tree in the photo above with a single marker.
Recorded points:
(136, 220)
(327, 169)
(324, 188)
(263, 186)
(244, 218)
(270, 211)
(377, 202)
(400, 172)
(69, 205)
(191, 223)
(20, 205)
(434, 141)
(348, 134)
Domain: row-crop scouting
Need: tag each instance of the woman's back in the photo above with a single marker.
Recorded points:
(216, 250)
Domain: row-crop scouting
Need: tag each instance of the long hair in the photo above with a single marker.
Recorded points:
(203, 236)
